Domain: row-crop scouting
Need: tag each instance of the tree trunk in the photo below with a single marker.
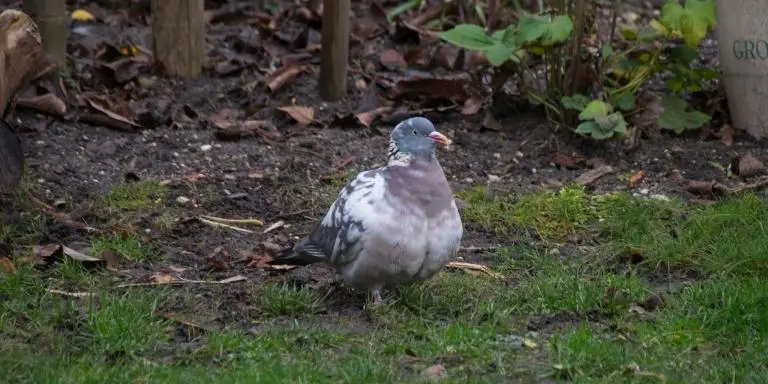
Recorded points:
(178, 27)
(51, 17)
(335, 51)
(21, 58)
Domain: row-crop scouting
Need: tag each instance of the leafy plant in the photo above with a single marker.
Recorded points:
(620, 72)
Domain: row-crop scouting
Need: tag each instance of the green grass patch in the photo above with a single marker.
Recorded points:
(134, 196)
(564, 312)
(126, 246)
(284, 299)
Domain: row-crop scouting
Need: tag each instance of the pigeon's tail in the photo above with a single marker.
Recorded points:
(303, 253)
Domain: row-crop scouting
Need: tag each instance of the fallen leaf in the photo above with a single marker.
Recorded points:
(283, 75)
(725, 134)
(163, 279)
(274, 226)
(367, 118)
(76, 255)
(432, 88)
(711, 188)
(530, 343)
(746, 166)
(471, 106)
(6, 265)
(636, 178)
(127, 68)
(82, 15)
(434, 372)
(303, 115)
(233, 279)
(392, 60)
(103, 109)
(47, 103)
(48, 252)
(109, 257)
(490, 122)
(569, 162)
(593, 175)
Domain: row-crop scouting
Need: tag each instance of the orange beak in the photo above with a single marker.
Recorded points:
(440, 138)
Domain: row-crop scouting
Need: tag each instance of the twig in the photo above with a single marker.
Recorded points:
(756, 185)
(183, 282)
(233, 221)
(474, 249)
(50, 211)
(70, 294)
(474, 267)
(222, 225)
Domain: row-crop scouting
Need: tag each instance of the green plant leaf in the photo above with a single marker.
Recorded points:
(542, 29)
(675, 117)
(692, 21)
(606, 50)
(576, 102)
(402, 8)
(468, 36)
(625, 101)
(675, 84)
(499, 53)
(683, 55)
(594, 109)
(603, 127)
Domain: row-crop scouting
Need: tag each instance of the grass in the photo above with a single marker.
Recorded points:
(134, 196)
(566, 312)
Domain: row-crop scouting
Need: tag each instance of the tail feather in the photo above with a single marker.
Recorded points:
(302, 254)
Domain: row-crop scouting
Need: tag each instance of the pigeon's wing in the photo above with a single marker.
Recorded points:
(344, 224)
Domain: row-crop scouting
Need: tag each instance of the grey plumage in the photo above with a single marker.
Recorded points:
(391, 225)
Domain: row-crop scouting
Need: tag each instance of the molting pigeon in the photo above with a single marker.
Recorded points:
(391, 225)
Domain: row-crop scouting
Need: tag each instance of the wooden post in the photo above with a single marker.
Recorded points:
(21, 58)
(51, 17)
(178, 27)
(335, 53)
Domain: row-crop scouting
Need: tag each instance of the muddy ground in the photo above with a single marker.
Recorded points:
(293, 177)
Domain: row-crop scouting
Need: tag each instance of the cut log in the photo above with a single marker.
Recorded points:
(178, 27)
(21, 58)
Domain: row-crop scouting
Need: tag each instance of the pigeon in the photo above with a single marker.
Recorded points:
(391, 225)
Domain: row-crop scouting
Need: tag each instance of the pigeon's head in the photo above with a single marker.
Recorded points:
(416, 136)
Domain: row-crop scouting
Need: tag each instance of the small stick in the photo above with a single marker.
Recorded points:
(182, 282)
(233, 221)
(474, 267)
(222, 225)
(70, 294)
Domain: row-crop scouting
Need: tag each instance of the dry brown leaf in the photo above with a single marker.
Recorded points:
(704, 188)
(233, 279)
(6, 265)
(471, 106)
(163, 279)
(99, 106)
(283, 75)
(593, 175)
(76, 255)
(569, 162)
(636, 178)
(725, 134)
(47, 103)
(746, 166)
(109, 257)
(303, 115)
(392, 60)
(47, 252)
(367, 118)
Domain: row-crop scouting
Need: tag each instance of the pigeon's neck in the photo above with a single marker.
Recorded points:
(397, 157)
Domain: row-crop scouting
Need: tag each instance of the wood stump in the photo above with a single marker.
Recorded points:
(21, 58)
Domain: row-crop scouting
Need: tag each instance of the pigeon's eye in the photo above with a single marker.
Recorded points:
(414, 132)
